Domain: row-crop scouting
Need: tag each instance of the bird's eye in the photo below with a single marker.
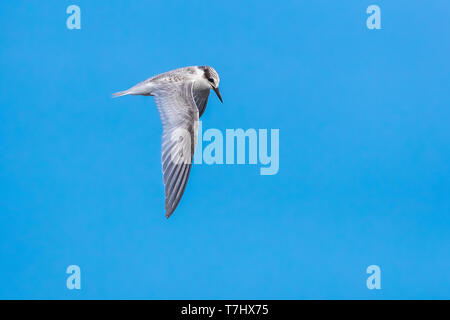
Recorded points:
(211, 80)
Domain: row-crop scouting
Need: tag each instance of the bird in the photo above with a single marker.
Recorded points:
(181, 96)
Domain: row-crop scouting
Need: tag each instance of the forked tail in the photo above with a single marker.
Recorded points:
(121, 93)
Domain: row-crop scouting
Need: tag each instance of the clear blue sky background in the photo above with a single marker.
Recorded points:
(364, 151)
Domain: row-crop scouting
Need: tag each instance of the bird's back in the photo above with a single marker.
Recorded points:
(163, 81)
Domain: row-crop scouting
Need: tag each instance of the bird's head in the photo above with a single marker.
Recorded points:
(212, 78)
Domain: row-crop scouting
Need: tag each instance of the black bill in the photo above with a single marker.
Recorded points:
(216, 90)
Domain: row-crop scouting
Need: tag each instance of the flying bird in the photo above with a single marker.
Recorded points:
(181, 96)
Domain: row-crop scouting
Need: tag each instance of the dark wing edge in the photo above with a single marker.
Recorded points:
(201, 99)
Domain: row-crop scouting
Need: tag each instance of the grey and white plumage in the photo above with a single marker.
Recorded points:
(181, 96)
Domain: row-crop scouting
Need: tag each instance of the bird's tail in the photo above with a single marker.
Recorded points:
(121, 93)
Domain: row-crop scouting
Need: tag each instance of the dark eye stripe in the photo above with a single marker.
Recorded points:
(211, 80)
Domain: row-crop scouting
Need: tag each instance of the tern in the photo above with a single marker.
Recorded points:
(181, 96)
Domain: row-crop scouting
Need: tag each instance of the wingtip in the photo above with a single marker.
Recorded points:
(169, 212)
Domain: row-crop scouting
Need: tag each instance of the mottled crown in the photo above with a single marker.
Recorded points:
(211, 73)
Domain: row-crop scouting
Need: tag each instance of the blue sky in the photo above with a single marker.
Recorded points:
(364, 151)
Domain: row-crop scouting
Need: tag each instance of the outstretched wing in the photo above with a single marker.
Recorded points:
(179, 117)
